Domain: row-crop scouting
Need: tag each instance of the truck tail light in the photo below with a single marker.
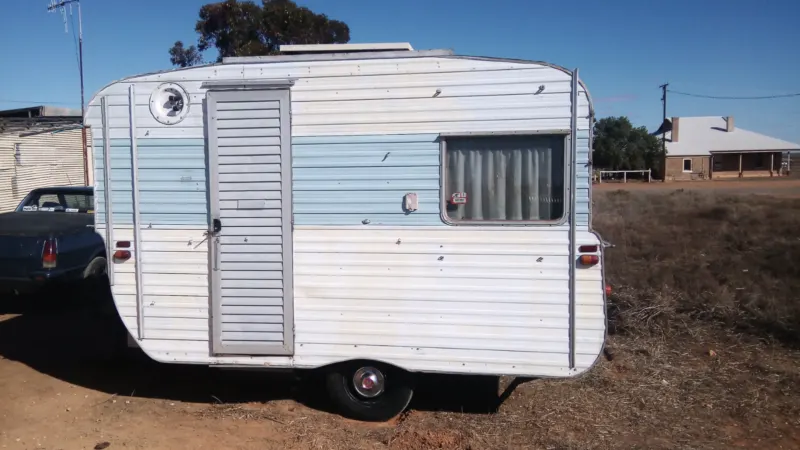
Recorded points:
(49, 254)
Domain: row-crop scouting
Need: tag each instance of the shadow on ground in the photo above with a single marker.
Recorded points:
(79, 346)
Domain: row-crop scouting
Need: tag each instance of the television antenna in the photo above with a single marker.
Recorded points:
(61, 6)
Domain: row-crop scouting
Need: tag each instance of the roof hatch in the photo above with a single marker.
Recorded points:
(347, 48)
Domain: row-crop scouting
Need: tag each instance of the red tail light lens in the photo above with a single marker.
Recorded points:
(587, 249)
(49, 254)
(120, 256)
(123, 244)
(608, 290)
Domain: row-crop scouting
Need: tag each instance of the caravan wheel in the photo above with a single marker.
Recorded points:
(370, 391)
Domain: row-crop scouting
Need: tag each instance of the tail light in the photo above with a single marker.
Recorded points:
(589, 256)
(608, 290)
(49, 254)
(120, 256)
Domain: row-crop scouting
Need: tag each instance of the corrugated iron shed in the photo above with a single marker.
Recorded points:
(39, 146)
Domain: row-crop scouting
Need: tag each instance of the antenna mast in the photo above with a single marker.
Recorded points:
(664, 101)
(61, 5)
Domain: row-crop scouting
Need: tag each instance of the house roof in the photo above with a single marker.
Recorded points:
(699, 136)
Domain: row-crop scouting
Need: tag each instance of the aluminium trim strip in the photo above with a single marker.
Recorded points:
(573, 182)
(137, 232)
(107, 190)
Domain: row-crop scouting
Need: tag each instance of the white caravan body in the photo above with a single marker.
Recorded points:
(416, 208)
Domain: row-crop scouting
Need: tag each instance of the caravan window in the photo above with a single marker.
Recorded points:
(504, 178)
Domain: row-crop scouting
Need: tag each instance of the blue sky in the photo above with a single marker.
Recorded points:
(624, 48)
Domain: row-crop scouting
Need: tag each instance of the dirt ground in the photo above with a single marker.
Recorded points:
(683, 385)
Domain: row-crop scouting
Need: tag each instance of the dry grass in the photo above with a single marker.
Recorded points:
(683, 257)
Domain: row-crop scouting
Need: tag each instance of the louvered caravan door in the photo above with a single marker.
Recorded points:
(249, 159)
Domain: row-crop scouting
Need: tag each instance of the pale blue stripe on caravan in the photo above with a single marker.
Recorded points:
(347, 180)
(172, 181)
(337, 180)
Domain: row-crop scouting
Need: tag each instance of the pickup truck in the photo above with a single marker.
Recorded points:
(49, 241)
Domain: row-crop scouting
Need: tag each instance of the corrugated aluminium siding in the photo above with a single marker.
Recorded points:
(486, 306)
(361, 99)
(442, 299)
(337, 180)
(47, 159)
(375, 97)
(346, 180)
(172, 181)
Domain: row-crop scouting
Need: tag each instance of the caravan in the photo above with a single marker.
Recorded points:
(369, 210)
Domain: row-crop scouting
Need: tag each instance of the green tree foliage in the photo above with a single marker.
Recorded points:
(243, 28)
(184, 57)
(618, 145)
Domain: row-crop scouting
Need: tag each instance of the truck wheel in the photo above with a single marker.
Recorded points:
(370, 391)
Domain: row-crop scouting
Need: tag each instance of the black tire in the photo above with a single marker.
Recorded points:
(395, 397)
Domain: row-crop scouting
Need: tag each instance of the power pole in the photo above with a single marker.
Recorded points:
(54, 5)
(664, 120)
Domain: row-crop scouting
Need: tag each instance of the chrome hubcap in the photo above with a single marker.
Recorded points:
(368, 382)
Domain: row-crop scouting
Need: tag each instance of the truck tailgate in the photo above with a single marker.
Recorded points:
(22, 236)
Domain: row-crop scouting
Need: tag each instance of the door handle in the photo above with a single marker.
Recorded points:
(216, 254)
(216, 226)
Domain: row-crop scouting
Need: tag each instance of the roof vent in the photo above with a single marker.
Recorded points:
(347, 48)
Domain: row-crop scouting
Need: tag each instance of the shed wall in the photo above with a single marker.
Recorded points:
(47, 159)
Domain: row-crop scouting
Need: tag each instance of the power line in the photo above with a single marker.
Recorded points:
(718, 97)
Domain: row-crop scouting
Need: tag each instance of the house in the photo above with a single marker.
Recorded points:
(40, 146)
(700, 148)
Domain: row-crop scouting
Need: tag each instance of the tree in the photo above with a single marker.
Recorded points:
(184, 57)
(243, 28)
(618, 145)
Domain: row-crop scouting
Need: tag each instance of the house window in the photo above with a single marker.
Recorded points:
(504, 178)
(687, 165)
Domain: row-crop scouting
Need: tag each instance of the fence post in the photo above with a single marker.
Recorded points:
(649, 177)
(625, 176)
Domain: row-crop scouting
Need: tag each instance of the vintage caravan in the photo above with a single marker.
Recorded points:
(368, 210)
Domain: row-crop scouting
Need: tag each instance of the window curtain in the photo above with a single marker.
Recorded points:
(506, 177)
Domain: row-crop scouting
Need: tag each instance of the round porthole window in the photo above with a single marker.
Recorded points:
(169, 103)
